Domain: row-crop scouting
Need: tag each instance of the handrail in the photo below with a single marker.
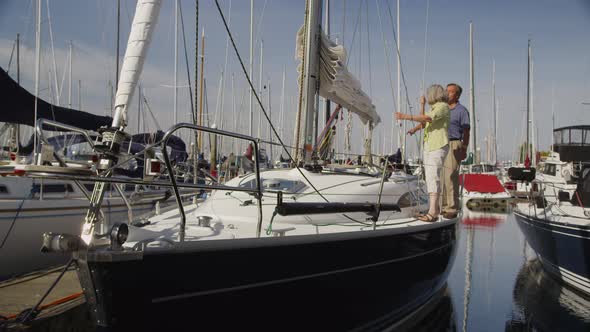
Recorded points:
(41, 122)
(215, 131)
(39, 130)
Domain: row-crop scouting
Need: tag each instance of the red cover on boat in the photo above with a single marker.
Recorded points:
(481, 183)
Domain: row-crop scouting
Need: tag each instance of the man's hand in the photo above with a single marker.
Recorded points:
(462, 153)
(411, 131)
(400, 116)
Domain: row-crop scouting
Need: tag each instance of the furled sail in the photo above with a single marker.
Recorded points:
(142, 28)
(336, 82)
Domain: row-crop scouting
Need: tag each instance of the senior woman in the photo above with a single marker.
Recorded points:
(436, 142)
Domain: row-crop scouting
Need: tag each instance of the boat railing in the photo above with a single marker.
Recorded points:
(170, 181)
(257, 191)
(541, 199)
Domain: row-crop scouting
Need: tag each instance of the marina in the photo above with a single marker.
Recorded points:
(496, 284)
(177, 197)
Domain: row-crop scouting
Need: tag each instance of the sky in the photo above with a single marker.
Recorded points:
(433, 50)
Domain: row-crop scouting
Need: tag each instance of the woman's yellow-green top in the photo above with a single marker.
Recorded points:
(436, 133)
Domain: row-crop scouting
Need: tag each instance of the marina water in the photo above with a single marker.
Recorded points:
(497, 284)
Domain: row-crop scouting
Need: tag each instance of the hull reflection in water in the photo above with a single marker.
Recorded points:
(543, 304)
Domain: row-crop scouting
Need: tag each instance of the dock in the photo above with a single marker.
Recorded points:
(64, 308)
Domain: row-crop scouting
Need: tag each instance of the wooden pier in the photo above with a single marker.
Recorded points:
(64, 309)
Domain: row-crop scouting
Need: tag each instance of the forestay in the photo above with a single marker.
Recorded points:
(336, 82)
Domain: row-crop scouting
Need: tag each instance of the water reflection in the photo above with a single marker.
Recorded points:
(437, 315)
(439, 318)
(497, 284)
(544, 304)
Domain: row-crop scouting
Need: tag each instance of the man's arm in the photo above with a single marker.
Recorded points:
(465, 142)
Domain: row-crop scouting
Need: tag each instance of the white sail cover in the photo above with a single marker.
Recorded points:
(140, 36)
(336, 82)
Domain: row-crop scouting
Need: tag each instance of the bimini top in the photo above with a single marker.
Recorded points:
(18, 106)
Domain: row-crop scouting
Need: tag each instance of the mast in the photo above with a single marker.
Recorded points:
(327, 30)
(552, 115)
(70, 80)
(270, 122)
(200, 140)
(401, 138)
(139, 109)
(473, 137)
(311, 74)
(117, 46)
(260, 84)
(528, 95)
(250, 131)
(282, 111)
(18, 58)
(79, 95)
(55, 79)
(494, 110)
(195, 115)
(533, 141)
(175, 62)
(17, 129)
(37, 69)
(223, 73)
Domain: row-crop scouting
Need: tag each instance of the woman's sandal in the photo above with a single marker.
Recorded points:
(428, 218)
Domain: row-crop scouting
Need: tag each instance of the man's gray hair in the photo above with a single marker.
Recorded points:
(435, 94)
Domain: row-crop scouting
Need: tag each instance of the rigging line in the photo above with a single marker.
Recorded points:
(11, 54)
(258, 97)
(409, 105)
(387, 60)
(354, 31)
(63, 76)
(369, 50)
(188, 74)
(259, 22)
(57, 87)
(400, 59)
(425, 46)
(150, 111)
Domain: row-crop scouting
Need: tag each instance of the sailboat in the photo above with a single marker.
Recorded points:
(555, 220)
(481, 187)
(337, 252)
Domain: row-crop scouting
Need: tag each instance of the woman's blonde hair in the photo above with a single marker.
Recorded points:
(435, 94)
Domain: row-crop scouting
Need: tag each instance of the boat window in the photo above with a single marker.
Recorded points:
(557, 137)
(407, 200)
(284, 185)
(3, 189)
(476, 169)
(549, 169)
(576, 136)
(129, 187)
(53, 188)
(488, 168)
